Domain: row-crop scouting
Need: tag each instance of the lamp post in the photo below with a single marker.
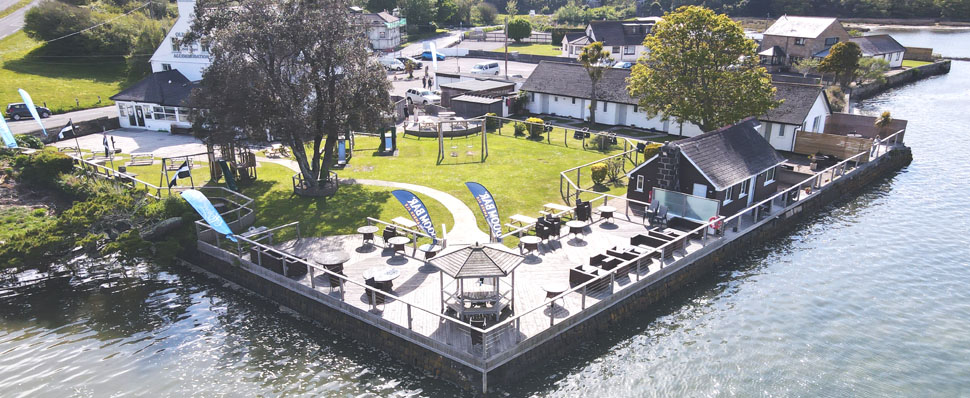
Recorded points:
(506, 47)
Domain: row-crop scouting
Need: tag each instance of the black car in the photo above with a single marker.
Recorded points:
(415, 64)
(19, 111)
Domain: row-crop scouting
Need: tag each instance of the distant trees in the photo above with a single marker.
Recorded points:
(485, 14)
(700, 68)
(419, 13)
(842, 61)
(519, 28)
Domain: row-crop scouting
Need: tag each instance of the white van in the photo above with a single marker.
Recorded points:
(391, 64)
(486, 68)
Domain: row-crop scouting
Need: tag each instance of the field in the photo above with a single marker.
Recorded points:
(908, 63)
(56, 81)
(533, 48)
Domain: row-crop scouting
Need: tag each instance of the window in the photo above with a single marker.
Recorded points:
(122, 111)
(629, 50)
(898, 55)
(640, 183)
(831, 41)
(745, 186)
(382, 34)
(799, 41)
(636, 108)
(728, 195)
(781, 130)
(815, 123)
(147, 111)
(166, 67)
(770, 176)
(205, 45)
(574, 100)
(183, 114)
(555, 98)
(533, 97)
(604, 107)
(175, 45)
(616, 49)
(165, 113)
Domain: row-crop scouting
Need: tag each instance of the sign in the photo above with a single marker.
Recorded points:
(417, 210)
(487, 203)
(8, 139)
(33, 109)
(209, 213)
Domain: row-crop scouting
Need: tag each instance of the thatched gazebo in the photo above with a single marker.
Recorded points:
(477, 274)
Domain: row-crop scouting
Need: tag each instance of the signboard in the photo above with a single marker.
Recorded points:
(209, 213)
(489, 209)
(417, 210)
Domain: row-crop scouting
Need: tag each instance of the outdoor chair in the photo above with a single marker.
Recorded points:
(581, 274)
(660, 219)
(294, 268)
(652, 210)
(334, 280)
(389, 232)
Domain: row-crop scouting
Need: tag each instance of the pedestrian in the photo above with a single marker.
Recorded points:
(430, 83)
(426, 71)
(424, 82)
(406, 113)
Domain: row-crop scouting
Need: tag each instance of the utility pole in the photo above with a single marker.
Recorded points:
(506, 47)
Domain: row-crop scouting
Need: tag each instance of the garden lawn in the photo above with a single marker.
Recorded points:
(533, 49)
(56, 80)
(16, 6)
(909, 63)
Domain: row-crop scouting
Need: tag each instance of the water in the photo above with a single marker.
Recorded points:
(869, 299)
(950, 42)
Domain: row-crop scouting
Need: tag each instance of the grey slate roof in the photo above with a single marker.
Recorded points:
(478, 85)
(807, 27)
(380, 17)
(570, 36)
(730, 155)
(797, 100)
(169, 88)
(476, 99)
(477, 261)
(878, 45)
(571, 80)
(613, 33)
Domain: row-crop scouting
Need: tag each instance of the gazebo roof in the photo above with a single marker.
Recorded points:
(477, 261)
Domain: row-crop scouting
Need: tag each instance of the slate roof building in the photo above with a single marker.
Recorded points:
(564, 89)
(791, 39)
(383, 29)
(734, 165)
(623, 39)
(157, 102)
(804, 109)
(190, 58)
(882, 46)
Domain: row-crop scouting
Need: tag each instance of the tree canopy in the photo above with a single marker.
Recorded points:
(700, 68)
(273, 73)
(842, 62)
(594, 59)
(519, 28)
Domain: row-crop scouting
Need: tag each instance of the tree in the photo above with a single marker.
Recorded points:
(145, 44)
(273, 73)
(464, 12)
(594, 59)
(447, 11)
(486, 13)
(511, 8)
(871, 69)
(842, 61)
(700, 68)
(52, 19)
(884, 120)
(598, 173)
(519, 28)
(381, 5)
(419, 13)
(954, 9)
(806, 66)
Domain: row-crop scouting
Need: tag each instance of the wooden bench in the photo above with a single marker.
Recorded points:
(142, 159)
(409, 224)
(686, 225)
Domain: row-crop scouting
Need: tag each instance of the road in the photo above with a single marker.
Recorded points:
(440, 42)
(452, 64)
(55, 122)
(13, 22)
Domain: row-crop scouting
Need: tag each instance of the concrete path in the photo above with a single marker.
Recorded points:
(464, 231)
(10, 24)
(134, 140)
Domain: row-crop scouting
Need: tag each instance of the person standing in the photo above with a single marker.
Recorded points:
(424, 82)
(430, 83)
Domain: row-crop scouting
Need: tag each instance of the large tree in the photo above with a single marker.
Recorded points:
(700, 68)
(273, 72)
(594, 59)
(842, 62)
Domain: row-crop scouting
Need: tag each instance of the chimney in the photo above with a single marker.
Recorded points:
(669, 167)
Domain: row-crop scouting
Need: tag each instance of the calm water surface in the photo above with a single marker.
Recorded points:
(869, 299)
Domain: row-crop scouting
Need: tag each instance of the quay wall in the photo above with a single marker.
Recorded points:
(702, 265)
(907, 76)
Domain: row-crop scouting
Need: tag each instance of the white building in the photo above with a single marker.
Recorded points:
(882, 46)
(190, 58)
(564, 89)
(623, 39)
(156, 103)
(804, 109)
(384, 30)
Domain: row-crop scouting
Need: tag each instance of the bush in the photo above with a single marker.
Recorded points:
(536, 127)
(492, 123)
(485, 14)
(519, 129)
(598, 173)
(519, 28)
(651, 149)
(43, 168)
(29, 141)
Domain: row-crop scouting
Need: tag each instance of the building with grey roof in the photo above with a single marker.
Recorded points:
(804, 109)
(882, 46)
(623, 39)
(792, 38)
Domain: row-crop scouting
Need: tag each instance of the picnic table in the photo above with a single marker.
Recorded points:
(556, 208)
(522, 220)
(404, 222)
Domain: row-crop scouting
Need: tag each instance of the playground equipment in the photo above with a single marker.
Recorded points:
(345, 149)
(388, 142)
(459, 127)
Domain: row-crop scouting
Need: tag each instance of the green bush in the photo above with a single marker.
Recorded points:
(519, 28)
(492, 123)
(598, 173)
(519, 129)
(43, 168)
(536, 127)
(29, 141)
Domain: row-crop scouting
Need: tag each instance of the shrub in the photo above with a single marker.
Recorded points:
(519, 129)
(492, 123)
(519, 28)
(485, 13)
(536, 127)
(29, 141)
(598, 172)
(43, 168)
(651, 149)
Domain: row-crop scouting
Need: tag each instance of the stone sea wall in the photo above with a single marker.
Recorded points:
(907, 76)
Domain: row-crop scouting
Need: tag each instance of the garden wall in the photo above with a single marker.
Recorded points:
(907, 76)
(919, 54)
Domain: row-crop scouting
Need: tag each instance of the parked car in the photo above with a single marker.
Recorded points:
(19, 111)
(391, 64)
(427, 56)
(624, 65)
(486, 68)
(422, 96)
(415, 64)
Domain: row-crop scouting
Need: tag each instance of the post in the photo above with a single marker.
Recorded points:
(409, 316)
(638, 270)
(341, 288)
(584, 298)
(506, 58)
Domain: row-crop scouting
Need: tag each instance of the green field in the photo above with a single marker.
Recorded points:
(56, 81)
(16, 6)
(908, 63)
(533, 48)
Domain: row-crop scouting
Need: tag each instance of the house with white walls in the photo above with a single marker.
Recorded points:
(623, 39)
(564, 89)
(882, 46)
(188, 57)
(157, 103)
(804, 109)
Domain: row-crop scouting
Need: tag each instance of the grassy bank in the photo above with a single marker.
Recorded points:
(56, 81)
(533, 49)
(16, 6)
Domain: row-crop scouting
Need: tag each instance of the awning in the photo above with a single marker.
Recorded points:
(773, 52)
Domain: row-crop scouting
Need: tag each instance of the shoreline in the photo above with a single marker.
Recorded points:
(896, 26)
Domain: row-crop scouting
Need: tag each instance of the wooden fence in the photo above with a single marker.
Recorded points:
(840, 146)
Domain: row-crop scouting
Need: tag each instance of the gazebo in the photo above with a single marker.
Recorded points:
(477, 274)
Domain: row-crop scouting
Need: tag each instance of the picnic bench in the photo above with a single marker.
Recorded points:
(174, 165)
(517, 221)
(554, 208)
(277, 151)
(142, 159)
(401, 221)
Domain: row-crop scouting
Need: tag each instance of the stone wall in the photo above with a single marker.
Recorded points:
(907, 76)
(919, 54)
(669, 167)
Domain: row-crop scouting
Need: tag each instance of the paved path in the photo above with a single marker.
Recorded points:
(55, 122)
(464, 231)
(134, 140)
(10, 24)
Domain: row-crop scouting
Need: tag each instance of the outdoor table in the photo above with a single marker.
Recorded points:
(606, 212)
(383, 278)
(429, 250)
(530, 243)
(556, 208)
(404, 222)
(576, 227)
(398, 243)
(368, 232)
(554, 289)
(331, 260)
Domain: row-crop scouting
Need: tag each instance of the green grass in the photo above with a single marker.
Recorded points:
(909, 63)
(16, 6)
(16, 219)
(533, 48)
(56, 81)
